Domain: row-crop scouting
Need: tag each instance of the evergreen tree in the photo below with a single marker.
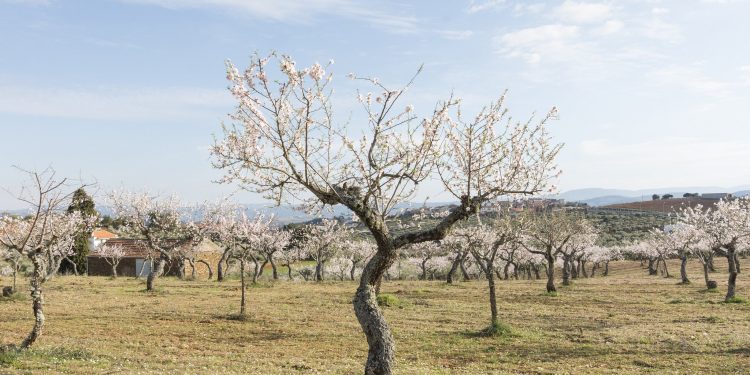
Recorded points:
(83, 203)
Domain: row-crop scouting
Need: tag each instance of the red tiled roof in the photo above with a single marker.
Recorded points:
(131, 247)
(101, 234)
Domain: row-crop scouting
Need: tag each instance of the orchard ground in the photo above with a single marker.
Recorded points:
(625, 323)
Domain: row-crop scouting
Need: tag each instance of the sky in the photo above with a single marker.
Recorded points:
(129, 93)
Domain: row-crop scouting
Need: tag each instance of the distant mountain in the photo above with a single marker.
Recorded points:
(603, 197)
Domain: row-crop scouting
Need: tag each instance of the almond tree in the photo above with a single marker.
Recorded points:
(162, 224)
(249, 236)
(273, 242)
(726, 229)
(357, 252)
(13, 258)
(682, 238)
(423, 254)
(484, 242)
(547, 235)
(458, 255)
(322, 244)
(285, 143)
(112, 254)
(45, 237)
(663, 246)
(584, 237)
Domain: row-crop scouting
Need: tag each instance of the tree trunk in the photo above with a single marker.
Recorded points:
(606, 269)
(683, 269)
(493, 298)
(155, 273)
(273, 267)
(583, 268)
(566, 270)
(257, 270)
(181, 268)
(289, 271)
(463, 269)
(114, 271)
(210, 271)
(423, 276)
(705, 274)
(732, 275)
(505, 271)
(37, 304)
(651, 270)
(74, 265)
(454, 267)
(664, 264)
(379, 339)
(15, 275)
(319, 269)
(220, 267)
(192, 268)
(711, 263)
(551, 274)
(536, 272)
(242, 287)
(263, 266)
(594, 268)
(737, 262)
(575, 268)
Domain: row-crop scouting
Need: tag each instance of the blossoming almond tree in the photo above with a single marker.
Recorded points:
(726, 229)
(112, 254)
(162, 224)
(547, 235)
(322, 244)
(46, 237)
(484, 242)
(284, 142)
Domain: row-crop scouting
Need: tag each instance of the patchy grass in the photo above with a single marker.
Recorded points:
(622, 324)
(389, 300)
(737, 300)
(15, 297)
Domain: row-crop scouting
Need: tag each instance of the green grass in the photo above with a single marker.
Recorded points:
(621, 324)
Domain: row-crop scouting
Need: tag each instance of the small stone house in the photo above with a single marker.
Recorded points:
(137, 261)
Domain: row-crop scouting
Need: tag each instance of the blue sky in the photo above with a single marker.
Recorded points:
(651, 93)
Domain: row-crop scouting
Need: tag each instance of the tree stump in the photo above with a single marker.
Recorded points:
(711, 284)
(8, 291)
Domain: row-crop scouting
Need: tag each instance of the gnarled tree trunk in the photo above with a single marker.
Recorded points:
(242, 287)
(551, 274)
(732, 282)
(379, 339)
(210, 271)
(37, 303)
(566, 270)
(683, 269)
(155, 273)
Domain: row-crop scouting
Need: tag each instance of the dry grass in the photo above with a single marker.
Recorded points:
(626, 323)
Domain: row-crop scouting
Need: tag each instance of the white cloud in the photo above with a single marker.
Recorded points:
(115, 104)
(610, 27)
(297, 11)
(582, 12)
(659, 29)
(536, 43)
(525, 8)
(475, 7)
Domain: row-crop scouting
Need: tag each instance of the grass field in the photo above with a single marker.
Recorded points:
(626, 323)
